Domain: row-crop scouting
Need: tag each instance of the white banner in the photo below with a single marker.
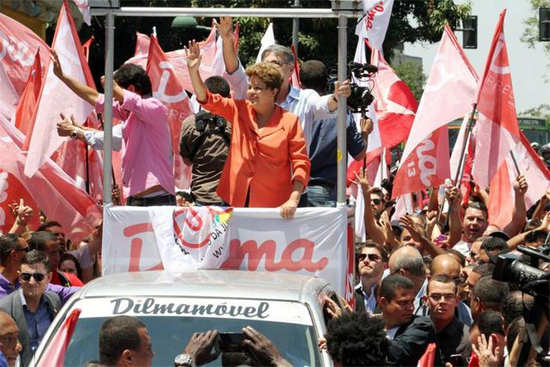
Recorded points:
(184, 239)
(374, 24)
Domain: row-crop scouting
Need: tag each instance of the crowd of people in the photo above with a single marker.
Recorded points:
(427, 282)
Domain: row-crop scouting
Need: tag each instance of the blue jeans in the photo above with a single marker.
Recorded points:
(321, 196)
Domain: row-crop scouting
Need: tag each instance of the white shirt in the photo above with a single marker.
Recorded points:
(463, 247)
(391, 333)
(95, 138)
(370, 301)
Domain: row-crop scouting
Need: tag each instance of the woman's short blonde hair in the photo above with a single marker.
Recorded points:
(268, 72)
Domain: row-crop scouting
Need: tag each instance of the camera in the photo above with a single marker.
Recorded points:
(213, 122)
(361, 97)
(529, 278)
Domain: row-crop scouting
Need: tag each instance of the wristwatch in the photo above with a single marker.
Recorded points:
(183, 360)
(74, 134)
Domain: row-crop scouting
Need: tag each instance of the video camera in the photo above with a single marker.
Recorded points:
(529, 278)
(361, 97)
(533, 341)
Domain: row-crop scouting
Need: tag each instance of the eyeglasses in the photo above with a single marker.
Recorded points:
(376, 201)
(371, 257)
(436, 297)
(37, 276)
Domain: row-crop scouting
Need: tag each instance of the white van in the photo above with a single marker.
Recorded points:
(286, 308)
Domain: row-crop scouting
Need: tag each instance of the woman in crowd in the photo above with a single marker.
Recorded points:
(268, 165)
(69, 264)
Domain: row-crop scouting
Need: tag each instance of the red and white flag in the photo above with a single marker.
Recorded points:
(210, 65)
(502, 194)
(168, 88)
(84, 8)
(267, 40)
(86, 47)
(142, 44)
(374, 145)
(56, 97)
(374, 24)
(18, 47)
(448, 95)
(27, 103)
(53, 191)
(54, 355)
(497, 126)
(467, 162)
(394, 103)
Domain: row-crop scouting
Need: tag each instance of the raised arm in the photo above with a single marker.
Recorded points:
(193, 54)
(455, 224)
(225, 31)
(520, 212)
(88, 94)
(373, 230)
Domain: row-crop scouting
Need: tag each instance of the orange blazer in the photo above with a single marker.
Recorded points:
(265, 161)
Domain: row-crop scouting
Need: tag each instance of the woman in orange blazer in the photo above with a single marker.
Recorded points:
(268, 165)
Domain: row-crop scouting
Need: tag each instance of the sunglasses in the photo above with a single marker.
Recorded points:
(436, 297)
(37, 276)
(376, 201)
(372, 257)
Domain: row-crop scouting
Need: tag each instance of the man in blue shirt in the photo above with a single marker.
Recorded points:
(12, 250)
(32, 307)
(323, 145)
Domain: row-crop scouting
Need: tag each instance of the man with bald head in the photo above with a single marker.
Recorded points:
(448, 265)
(9, 338)
(408, 262)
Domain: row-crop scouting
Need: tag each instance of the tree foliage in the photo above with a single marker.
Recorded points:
(531, 32)
(541, 111)
(411, 73)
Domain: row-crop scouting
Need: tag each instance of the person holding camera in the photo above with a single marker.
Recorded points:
(204, 144)
(125, 341)
(268, 165)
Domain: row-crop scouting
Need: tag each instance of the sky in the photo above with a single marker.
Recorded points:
(528, 65)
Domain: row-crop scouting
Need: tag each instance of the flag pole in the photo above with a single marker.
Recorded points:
(515, 163)
(87, 162)
(464, 153)
(462, 162)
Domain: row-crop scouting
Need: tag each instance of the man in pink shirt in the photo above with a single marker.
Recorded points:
(147, 172)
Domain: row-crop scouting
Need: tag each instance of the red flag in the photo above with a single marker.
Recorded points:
(394, 103)
(54, 355)
(502, 194)
(142, 44)
(27, 103)
(86, 48)
(427, 359)
(18, 48)
(179, 60)
(53, 191)
(497, 125)
(56, 97)
(169, 89)
(425, 160)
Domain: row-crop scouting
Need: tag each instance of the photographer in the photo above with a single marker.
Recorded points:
(322, 147)
(125, 341)
(204, 143)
